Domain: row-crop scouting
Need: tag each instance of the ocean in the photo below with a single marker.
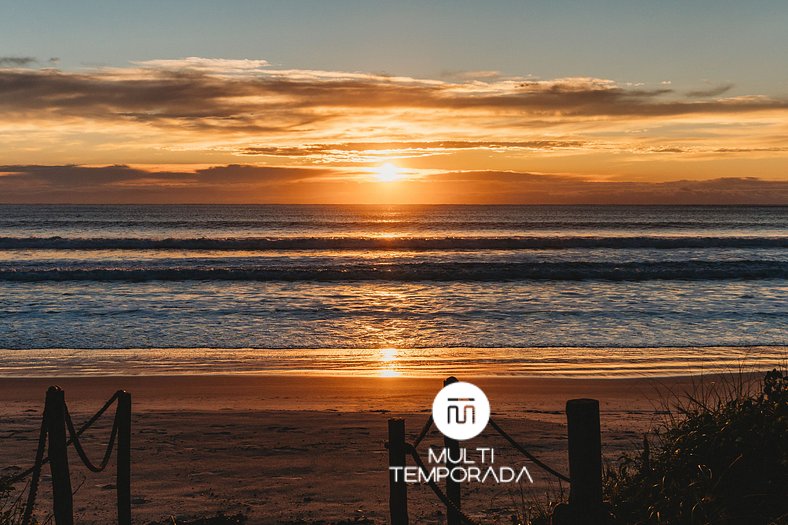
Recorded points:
(348, 289)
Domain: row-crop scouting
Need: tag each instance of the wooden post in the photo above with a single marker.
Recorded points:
(585, 461)
(123, 481)
(398, 490)
(452, 487)
(62, 502)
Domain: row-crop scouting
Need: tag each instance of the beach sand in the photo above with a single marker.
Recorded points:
(301, 449)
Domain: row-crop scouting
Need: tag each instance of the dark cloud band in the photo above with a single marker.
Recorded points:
(261, 101)
(255, 184)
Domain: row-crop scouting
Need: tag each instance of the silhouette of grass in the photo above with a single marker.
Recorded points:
(721, 457)
(11, 505)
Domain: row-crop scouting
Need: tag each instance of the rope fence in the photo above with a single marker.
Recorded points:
(56, 421)
(58, 432)
(585, 499)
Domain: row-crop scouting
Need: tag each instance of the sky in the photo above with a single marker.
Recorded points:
(394, 102)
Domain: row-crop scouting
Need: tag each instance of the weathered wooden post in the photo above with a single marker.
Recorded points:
(585, 461)
(452, 487)
(123, 481)
(398, 490)
(63, 504)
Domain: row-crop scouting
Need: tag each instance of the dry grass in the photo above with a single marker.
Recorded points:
(721, 457)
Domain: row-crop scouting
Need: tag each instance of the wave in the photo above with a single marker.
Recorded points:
(405, 224)
(383, 243)
(424, 271)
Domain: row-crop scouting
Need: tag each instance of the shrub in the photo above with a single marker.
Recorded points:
(722, 458)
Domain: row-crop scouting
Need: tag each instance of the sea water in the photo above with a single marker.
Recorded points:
(429, 280)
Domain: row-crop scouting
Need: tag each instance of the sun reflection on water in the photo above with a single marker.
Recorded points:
(388, 362)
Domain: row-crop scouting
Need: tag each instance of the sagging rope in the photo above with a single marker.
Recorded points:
(74, 435)
(508, 438)
(527, 454)
(40, 460)
(435, 488)
(81, 451)
(36, 471)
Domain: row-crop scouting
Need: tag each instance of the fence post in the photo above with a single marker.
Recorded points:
(398, 490)
(452, 487)
(62, 502)
(123, 482)
(585, 461)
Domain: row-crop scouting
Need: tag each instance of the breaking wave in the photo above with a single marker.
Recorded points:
(385, 243)
(422, 271)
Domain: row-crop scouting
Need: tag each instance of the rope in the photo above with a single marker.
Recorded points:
(436, 489)
(40, 461)
(527, 454)
(98, 414)
(81, 451)
(31, 495)
(79, 432)
(423, 432)
(508, 438)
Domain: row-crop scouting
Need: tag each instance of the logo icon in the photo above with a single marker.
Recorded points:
(461, 410)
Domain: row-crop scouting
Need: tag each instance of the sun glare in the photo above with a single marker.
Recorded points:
(388, 172)
(388, 362)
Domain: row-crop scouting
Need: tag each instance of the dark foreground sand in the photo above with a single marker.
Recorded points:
(285, 449)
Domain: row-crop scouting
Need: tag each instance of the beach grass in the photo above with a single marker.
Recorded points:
(720, 457)
(11, 505)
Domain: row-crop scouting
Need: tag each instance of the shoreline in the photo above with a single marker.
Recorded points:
(392, 362)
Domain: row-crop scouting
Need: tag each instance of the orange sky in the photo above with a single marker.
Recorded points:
(213, 130)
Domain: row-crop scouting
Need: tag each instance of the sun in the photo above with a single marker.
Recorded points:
(388, 172)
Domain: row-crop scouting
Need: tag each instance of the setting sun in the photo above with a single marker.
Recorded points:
(388, 172)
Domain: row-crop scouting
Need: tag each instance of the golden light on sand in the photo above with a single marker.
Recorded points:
(388, 172)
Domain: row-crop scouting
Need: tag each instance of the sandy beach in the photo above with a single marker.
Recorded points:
(302, 449)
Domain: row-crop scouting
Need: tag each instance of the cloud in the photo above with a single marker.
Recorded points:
(90, 177)
(364, 151)
(214, 65)
(711, 92)
(530, 188)
(261, 184)
(17, 61)
(471, 75)
(751, 150)
(213, 111)
(244, 95)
